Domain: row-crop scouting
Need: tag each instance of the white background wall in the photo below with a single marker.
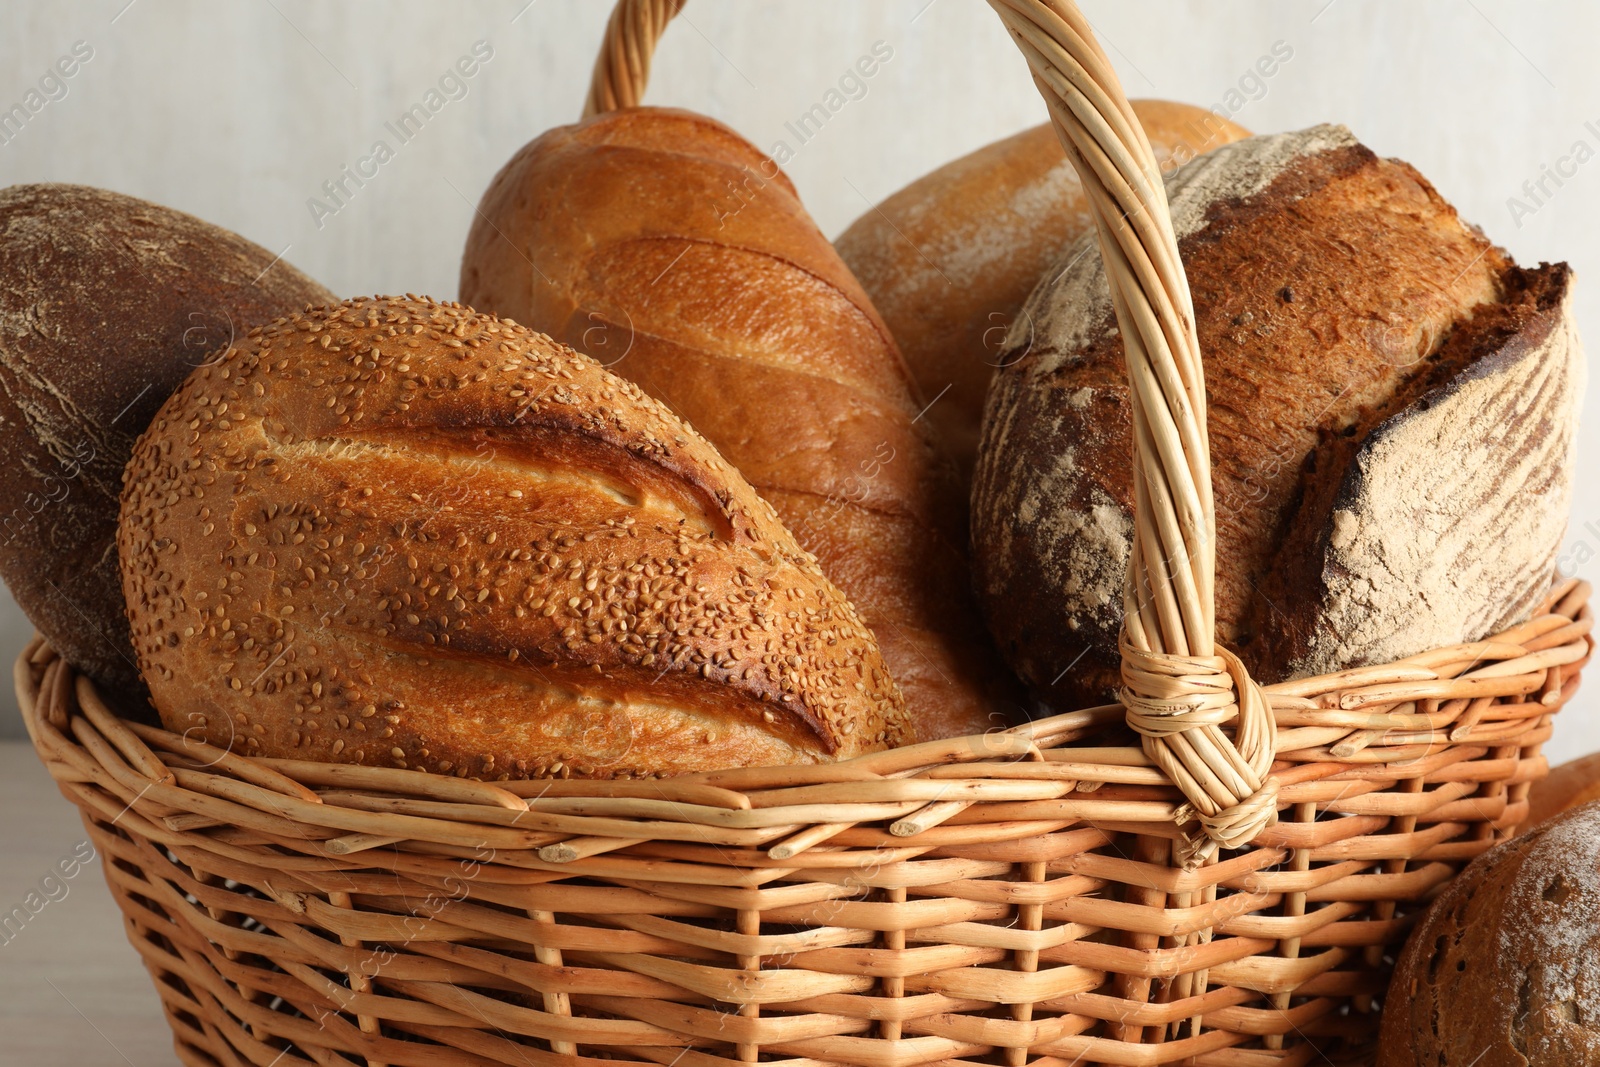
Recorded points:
(239, 111)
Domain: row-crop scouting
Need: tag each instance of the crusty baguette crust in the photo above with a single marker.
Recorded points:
(1392, 410)
(402, 533)
(949, 259)
(107, 303)
(671, 249)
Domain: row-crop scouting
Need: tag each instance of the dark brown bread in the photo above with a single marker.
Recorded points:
(1504, 969)
(402, 533)
(1392, 417)
(106, 304)
(672, 250)
(949, 259)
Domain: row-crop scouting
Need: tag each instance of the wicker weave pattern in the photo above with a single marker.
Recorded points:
(1025, 897)
(1179, 687)
(1001, 899)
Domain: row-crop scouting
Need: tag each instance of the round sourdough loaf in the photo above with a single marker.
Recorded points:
(949, 259)
(1392, 415)
(106, 304)
(1504, 968)
(402, 533)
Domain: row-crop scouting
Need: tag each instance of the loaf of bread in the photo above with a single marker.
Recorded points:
(106, 304)
(400, 533)
(673, 251)
(1504, 969)
(949, 259)
(1392, 418)
(1567, 786)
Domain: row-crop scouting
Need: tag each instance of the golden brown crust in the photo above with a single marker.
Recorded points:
(397, 532)
(1335, 306)
(1567, 786)
(106, 304)
(949, 259)
(669, 248)
(1504, 968)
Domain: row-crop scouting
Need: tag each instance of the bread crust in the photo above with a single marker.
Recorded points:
(107, 303)
(1470, 522)
(1392, 409)
(949, 259)
(1502, 970)
(402, 533)
(1569, 785)
(671, 249)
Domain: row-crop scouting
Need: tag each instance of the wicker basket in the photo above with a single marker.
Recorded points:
(1036, 895)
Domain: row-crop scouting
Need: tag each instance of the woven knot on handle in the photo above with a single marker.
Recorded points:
(1179, 704)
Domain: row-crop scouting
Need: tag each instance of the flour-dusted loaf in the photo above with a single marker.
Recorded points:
(1504, 969)
(1393, 409)
(404, 534)
(671, 249)
(949, 259)
(106, 304)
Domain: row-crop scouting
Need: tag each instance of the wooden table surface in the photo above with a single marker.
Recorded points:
(73, 993)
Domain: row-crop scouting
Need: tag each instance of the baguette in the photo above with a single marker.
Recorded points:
(668, 247)
(1569, 785)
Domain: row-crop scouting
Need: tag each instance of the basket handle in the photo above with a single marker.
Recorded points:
(1180, 688)
(622, 69)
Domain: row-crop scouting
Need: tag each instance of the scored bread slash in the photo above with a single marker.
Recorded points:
(1392, 423)
(678, 254)
(402, 533)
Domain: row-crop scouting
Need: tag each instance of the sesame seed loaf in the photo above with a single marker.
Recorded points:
(949, 259)
(402, 533)
(671, 249)
(107, 302)
(1504, 968)
(1392, 414)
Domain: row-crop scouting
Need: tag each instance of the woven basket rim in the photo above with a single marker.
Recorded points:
(1394, 775)
(1278, 947)
(1360, 728)
(1180, 685)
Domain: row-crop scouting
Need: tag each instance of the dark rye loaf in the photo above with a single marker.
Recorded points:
(1392, 419)
(107, 303)
(1504, 968)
